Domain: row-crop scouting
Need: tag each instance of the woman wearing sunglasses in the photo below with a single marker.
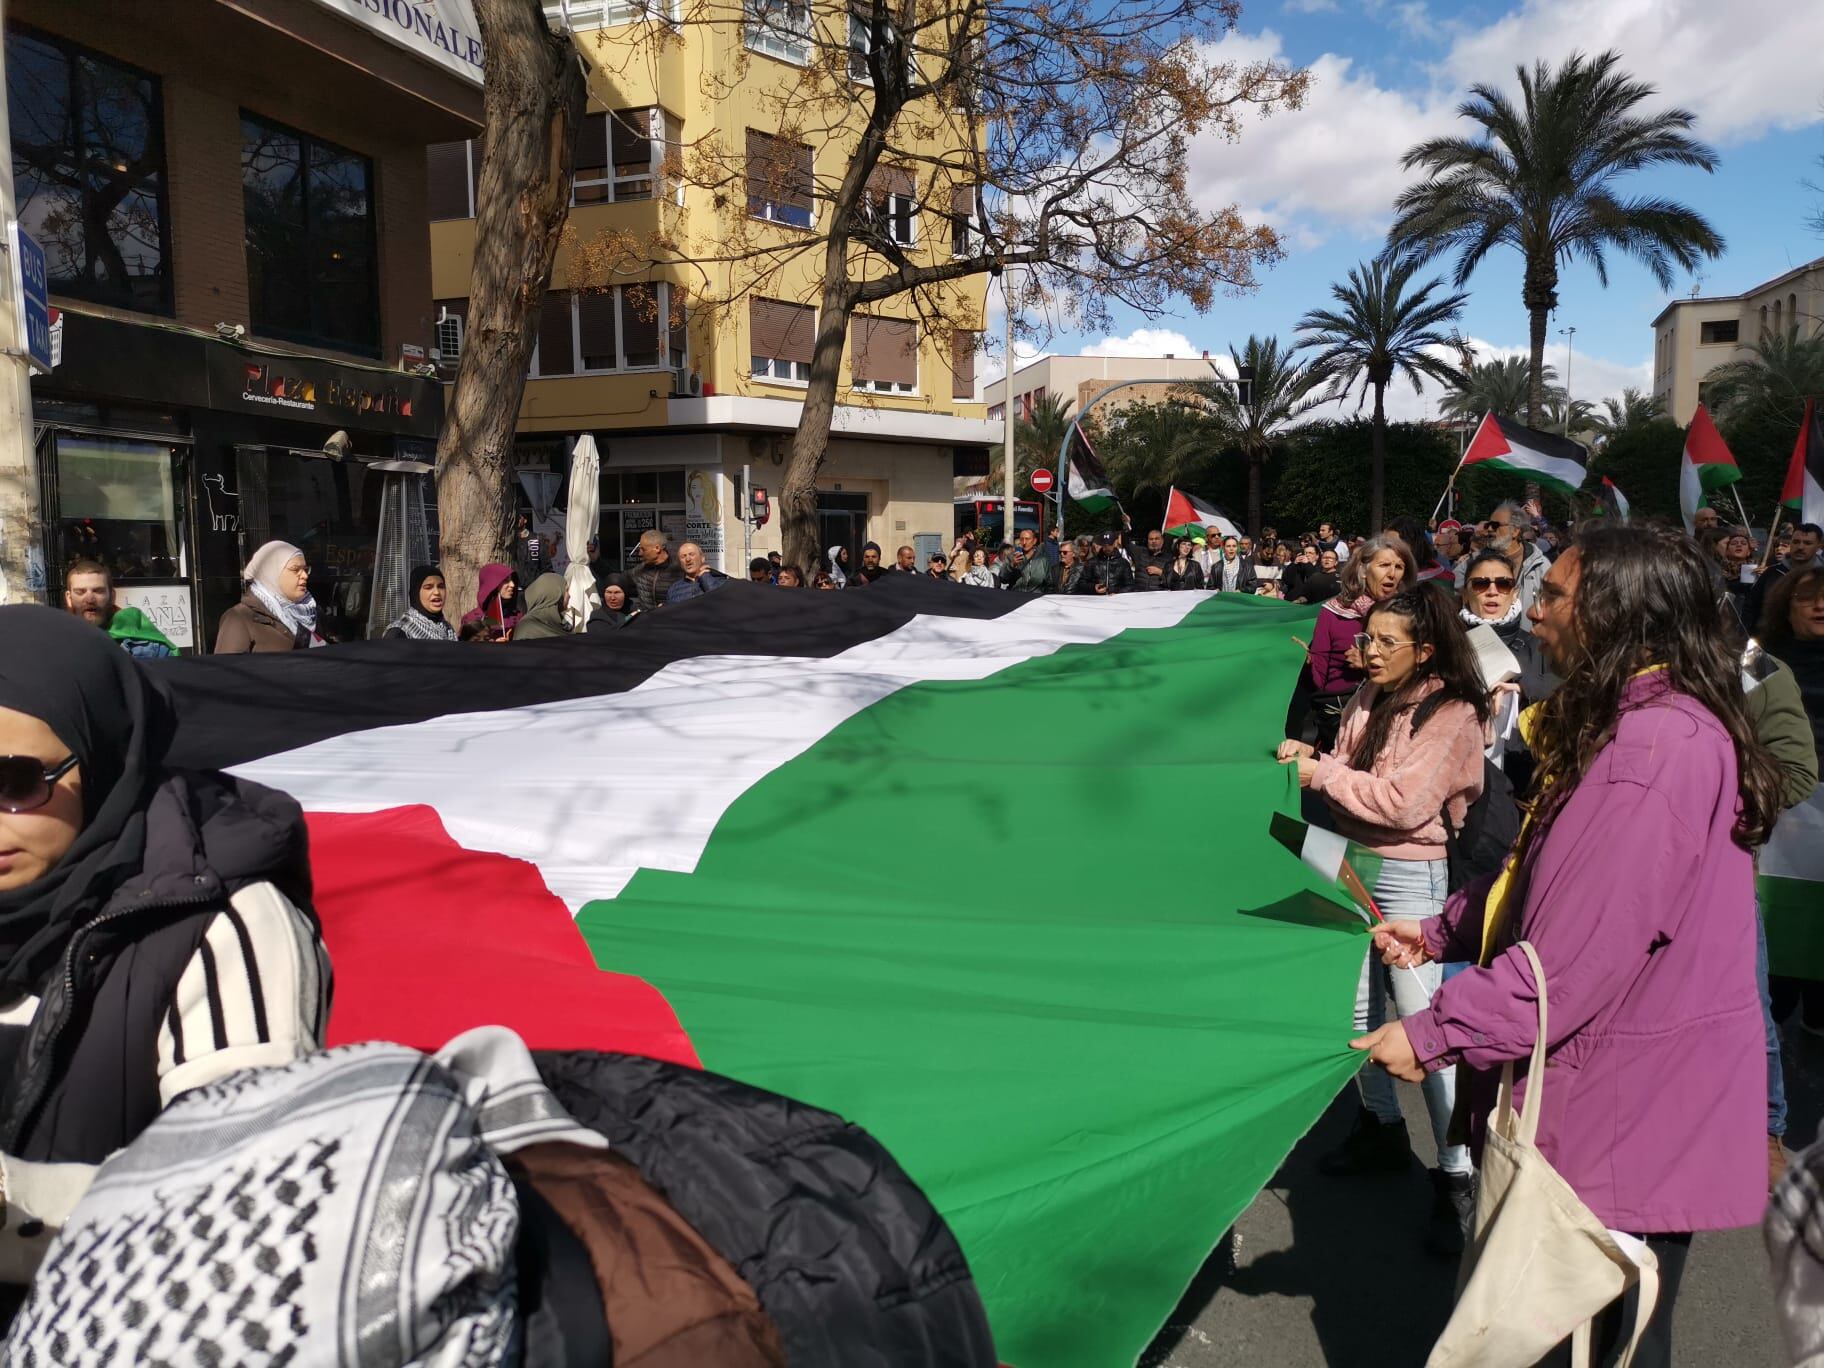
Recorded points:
(1407, 760)
(155, 931)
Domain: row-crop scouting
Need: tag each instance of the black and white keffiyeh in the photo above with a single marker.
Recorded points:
(421, 626)
(350, 1208)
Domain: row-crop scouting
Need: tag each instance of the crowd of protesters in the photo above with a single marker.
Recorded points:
(1577, 738)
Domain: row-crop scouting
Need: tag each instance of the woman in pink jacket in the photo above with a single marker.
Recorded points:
(1407, 764)
(1634, 883)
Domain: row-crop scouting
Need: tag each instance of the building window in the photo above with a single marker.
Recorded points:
(451, 171)
(1792, 312)
(780, 28)
(596, 332)
(620, 156)
(780, 339)
(1763, 320)
(309, 206)
(580, 14)
(891, 207)
(89, 171)
(965, 234)
(862, 35)
(779, 184)
(883, 355)
(963, 346)
(1722, 330)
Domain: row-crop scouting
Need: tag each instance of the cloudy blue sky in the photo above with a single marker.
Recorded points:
(1387, 73)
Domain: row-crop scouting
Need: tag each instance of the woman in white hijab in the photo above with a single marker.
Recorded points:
(277, 612)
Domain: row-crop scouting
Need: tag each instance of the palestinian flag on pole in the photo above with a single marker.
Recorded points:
(1085, 480)
(1188, 516)
(1803, 491)
(815, 842)
(1614, 502)
(1505, 444)
(1706, 468)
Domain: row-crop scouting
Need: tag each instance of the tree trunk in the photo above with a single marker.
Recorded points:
(811, 443)
(1256, 460)
(1539, 292)
(533, 102)
(1377, 471)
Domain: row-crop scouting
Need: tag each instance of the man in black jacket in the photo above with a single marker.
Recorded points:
(1110, 570)
(1151, 564)
(658, 572)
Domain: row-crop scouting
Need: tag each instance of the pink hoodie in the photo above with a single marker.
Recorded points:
(1396, 809)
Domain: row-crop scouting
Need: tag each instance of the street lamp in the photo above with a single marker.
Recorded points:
(1569, 334)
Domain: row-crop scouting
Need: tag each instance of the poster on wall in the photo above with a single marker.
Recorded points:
(703, 512)
(169, 607)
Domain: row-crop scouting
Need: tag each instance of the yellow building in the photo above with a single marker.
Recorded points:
(1692, 337)
(683, 392)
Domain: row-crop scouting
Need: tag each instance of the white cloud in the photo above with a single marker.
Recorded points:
(1593, 378)
(1145, 342)
(1743, 68)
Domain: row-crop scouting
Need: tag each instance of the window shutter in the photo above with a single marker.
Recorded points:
(632, 141)
(554, 345)
(891, 180)
(592, 148)
(962, 201)
(640, 324)
(595, 329)
(785, 332)
(447, 179)
(884, 349)
(962, 364)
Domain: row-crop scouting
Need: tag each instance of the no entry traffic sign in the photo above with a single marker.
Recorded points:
(1042, 481)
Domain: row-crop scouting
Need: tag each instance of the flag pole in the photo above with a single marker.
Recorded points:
(1452, 484)
(1773, 528)
(1746, 525)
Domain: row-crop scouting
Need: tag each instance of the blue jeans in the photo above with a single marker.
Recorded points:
(1776, 1071)
(1414, 890)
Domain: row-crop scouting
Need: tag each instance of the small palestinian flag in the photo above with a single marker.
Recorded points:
(1343, 866)
(1188, 516)
(1706, 468)
(1506, 444)
(770, 831)
(1803, 491)
(1614, 502)
(1086, 481)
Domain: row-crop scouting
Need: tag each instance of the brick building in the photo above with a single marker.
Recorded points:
(231, 195)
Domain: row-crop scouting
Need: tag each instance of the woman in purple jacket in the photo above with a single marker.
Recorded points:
(1634, 883)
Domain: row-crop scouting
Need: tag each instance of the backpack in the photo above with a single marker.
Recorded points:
(1480, 846)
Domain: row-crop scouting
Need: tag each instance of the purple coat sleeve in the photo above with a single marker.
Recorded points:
(1590, 917)
(1456, 936)
(1333, 634)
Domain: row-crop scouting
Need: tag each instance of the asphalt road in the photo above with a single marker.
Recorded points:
(1332, 1271)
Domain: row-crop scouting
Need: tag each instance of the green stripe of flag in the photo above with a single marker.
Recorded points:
(998, 923)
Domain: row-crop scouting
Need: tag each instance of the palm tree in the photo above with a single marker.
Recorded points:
(1498, 386)
(1152, 446)
(1572, 417)
(1279, 395)
(1378, 332)
(1541, 176)
(1036, 440)
(1777, 375)
(1633, 409)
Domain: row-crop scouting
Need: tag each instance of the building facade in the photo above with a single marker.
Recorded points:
(231, 196)
(689, 377)
(1078, 379)
(1692, 337)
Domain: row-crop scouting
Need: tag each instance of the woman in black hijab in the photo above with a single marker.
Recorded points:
(423, 619)
(155, 931)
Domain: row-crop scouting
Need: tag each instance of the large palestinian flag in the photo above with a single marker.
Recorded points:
(1507, 444)
(915, 854)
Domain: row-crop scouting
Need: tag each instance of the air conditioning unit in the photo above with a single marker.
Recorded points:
(686, 383)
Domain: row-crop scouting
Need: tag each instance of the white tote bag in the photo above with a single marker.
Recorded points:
(1541, 1265)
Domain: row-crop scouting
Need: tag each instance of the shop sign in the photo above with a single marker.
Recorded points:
(306, 388)
(443, 32)
(703, 511)
(168, 605)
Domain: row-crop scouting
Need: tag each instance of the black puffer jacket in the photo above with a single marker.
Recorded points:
(848, 1257)
(82, 1080)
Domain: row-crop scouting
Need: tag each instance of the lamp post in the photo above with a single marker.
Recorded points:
(1007, 474)
(1569, 334)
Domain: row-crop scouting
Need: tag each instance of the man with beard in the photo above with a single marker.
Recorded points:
(88, 593)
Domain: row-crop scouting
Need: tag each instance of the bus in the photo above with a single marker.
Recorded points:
(983, 515)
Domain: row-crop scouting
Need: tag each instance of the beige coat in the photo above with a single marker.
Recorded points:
(249, 627)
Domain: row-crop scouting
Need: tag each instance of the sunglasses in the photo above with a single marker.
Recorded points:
(1481, 582)
(25, 783)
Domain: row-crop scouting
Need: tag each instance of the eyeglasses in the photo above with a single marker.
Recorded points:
(1481, 582)
(1363, 641)
(25, 783)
